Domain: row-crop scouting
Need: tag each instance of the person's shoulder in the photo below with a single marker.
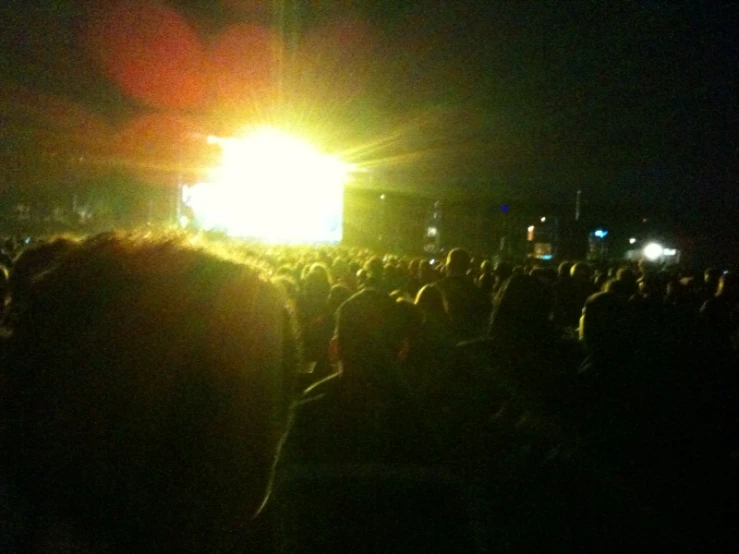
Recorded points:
(473, 356)
(319, 389)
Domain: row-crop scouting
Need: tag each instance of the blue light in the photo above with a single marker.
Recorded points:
(504, 208)
(600, 233)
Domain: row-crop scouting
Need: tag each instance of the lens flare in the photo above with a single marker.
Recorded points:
(274, 188)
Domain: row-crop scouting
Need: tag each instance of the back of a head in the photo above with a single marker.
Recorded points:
(711, 277)
(337, 296)
(375, 267)
(563, 270)
(370, 334)
(316, 285)
(580, 271)
(521, 307)
(605, 325)
(430, 299)
(148, 394)
(457, 261)
(728, 287)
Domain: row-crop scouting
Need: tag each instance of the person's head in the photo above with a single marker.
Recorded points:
(605, 325)
(148, 392)
(430, 300)
(426, 272)
(502, 271)
(375, 268)
(457, 262)
(711, 278)
(521, 307)
(337, 296)
(580, 271)
(627, 275)
(728, 287)
(316, 285)
(563, 271)
(370, 336)
(339, 270)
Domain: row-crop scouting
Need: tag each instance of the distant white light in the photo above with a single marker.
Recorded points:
(670, 252)
(543, 219)
(632, 240)
(382, 197)
(530, 229)
(600, 233)
(653, 251)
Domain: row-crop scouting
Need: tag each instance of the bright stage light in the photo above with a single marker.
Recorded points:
(272, 187)
(653, 251)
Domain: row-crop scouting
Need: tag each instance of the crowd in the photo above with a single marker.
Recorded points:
(163, 394)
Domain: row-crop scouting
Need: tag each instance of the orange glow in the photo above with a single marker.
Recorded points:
(244, 63)
(150, 52)
(161, 148)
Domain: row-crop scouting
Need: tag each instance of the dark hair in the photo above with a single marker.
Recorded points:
(521, 307)
(430, 300)
(370, 331)
(606, 325)
(457, 261)
(149, 386)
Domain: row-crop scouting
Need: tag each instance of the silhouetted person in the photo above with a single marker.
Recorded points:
(366, 412)
(149, 385)
(486, 279)
(467, 305)
(721, 313)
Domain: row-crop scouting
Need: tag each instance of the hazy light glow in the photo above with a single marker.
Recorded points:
(632, 240)
(272, 187)
(600, 233)
(670, 252)
(653, 251)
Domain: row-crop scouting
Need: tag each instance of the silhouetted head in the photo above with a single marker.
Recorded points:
(711, 278)
(338, 295)
(520, 308)
(149, 388)
(375, 268)
(430, 300)
(457, 262)
(563, 271)
(580, 271)
(370, 336)
(728, 287)
(605, 325)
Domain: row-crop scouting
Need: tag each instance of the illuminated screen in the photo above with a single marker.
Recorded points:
(274, 188)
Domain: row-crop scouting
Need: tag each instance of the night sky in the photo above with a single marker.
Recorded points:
(635, 103)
